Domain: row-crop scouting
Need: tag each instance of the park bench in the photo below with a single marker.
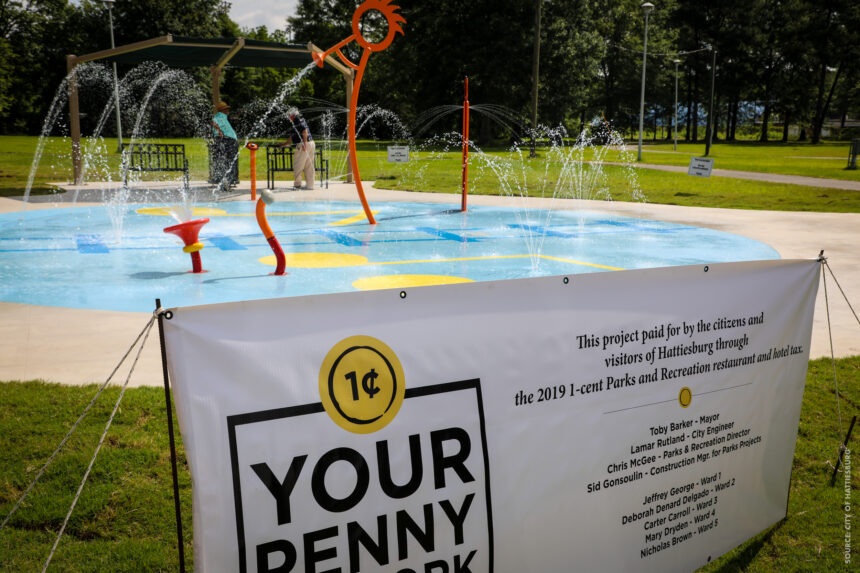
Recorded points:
(155, 157)
(281, 159)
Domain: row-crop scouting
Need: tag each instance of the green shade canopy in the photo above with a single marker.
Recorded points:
(185, 52)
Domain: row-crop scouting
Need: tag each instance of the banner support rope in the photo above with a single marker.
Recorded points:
(844, 445)
(75, 425)
(161, 313)
(823, 260)
(848, 302)
(98, 448)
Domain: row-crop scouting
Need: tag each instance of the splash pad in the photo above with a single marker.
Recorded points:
(71, 257)
(116, 257)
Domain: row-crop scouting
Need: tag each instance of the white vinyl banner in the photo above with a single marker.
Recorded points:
(638, 420)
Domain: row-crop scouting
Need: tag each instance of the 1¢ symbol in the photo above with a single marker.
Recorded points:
(361, 384)
(368, 383)
(357, 375)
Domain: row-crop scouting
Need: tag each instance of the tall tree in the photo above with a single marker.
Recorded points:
(833, 26)
(33, 32)
(39, 34)
(570, 52)
(137, 20)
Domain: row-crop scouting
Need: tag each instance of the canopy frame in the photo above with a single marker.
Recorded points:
(177, 51)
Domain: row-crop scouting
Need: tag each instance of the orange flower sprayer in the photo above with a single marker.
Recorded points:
(393, 19)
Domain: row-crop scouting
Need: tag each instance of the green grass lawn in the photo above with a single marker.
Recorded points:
(499, 171)
(124, 519)
(811, 537)
(827, 160)
(529, 177)
(18, 158)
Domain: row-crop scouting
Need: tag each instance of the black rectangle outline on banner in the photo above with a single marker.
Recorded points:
(315, 408)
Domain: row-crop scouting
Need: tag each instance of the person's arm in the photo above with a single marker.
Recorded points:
(218, 127)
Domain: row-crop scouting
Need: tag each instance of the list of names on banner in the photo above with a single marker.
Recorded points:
(676, 514)
(669, 352)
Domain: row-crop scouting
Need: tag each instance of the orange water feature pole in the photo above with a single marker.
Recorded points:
(465, 146)
(253, 147)
(267, 198)
(390, 13)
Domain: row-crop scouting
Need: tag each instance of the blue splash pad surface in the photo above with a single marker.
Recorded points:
(76, 257)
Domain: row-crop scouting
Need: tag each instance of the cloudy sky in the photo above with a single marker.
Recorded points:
(270, 13)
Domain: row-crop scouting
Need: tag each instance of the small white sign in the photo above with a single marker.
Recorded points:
(398, 154)
(700, 166)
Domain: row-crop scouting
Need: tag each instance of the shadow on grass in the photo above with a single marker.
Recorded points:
(741, 559)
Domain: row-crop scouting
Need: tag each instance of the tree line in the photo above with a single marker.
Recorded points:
(780, 64)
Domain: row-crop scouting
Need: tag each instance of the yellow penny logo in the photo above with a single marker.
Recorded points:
(685, 397)
(361, 384)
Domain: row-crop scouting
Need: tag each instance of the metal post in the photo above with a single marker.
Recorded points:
(646, 8)
(535, 74)
(176, 506)
(676, 104)
(465, 189)
(216, 85)
(74, 119)
(115, 79)
(252, 148)
(349, 77)
(710, 128)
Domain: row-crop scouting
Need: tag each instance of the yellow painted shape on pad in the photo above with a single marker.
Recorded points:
(350, 220)
(406, 281)
(317, 260)
(300, 213)
(332, 260)
(560, 259)
(195, 212)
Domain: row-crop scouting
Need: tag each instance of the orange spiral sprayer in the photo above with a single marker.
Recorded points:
(394, 19)
(267, 198)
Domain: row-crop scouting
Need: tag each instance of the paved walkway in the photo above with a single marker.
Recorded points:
(758, 176)
(83, 346)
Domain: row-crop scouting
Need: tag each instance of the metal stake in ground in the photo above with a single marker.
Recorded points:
(842, 450)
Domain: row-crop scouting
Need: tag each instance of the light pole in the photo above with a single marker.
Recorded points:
(710, 128)
(676, 62)
(646, 9)
(115, 79)
(535, 74)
